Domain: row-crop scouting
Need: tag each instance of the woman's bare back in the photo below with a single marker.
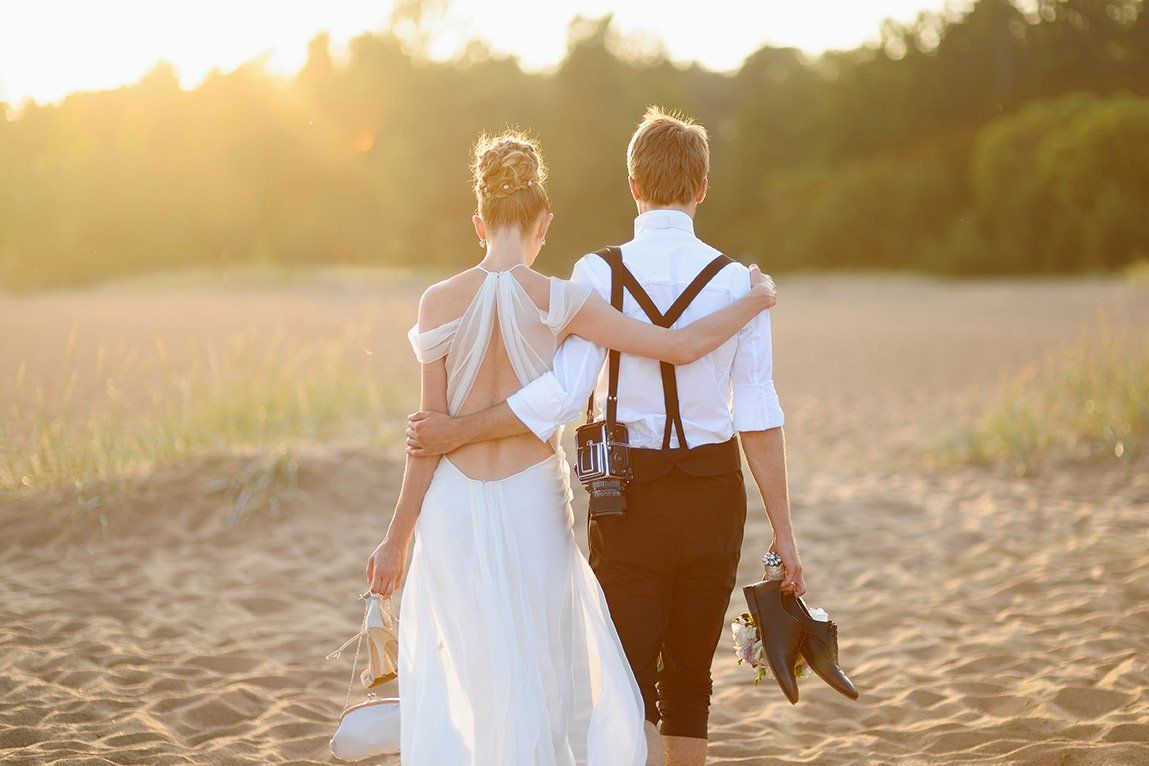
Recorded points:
(496, 377)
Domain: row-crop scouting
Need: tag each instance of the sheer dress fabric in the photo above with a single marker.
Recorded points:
(507, 654)
(527, 332)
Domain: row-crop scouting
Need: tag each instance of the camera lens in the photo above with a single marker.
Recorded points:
(607, 498)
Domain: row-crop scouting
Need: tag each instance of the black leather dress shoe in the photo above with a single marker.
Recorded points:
(781, 632)
(819, 646)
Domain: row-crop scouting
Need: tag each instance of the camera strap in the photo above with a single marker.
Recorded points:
(622, 278)
(613, 258)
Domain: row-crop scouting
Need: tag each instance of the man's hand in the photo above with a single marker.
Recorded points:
(794, 580)
(432, 433)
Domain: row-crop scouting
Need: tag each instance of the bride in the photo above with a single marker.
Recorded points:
(507, 654)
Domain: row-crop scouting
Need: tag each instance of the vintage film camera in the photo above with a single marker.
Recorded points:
(603, 466)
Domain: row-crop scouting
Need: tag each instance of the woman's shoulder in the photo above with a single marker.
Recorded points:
(536, 285)
(447, 299)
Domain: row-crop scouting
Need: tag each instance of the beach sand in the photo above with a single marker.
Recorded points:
(985, 618)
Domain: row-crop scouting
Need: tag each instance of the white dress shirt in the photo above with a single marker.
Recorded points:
(730, 389)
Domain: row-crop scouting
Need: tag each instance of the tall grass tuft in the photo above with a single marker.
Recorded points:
(265, 481)
(1087, 400)
(1137, 273)
(251, 392)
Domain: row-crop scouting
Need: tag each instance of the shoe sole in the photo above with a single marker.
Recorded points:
(753, 604)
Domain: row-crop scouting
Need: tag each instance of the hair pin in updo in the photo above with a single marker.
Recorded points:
(506, 188)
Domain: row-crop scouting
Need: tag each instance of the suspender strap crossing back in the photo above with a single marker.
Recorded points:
(622, 279)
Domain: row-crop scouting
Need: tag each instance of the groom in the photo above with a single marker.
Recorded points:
(668, 566)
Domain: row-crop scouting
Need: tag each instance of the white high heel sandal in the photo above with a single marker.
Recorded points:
(371, 728)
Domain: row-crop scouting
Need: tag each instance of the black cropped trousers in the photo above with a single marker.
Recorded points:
(668, 568)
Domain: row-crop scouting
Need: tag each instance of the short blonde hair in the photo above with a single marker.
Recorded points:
(508, 173)
(668, 157)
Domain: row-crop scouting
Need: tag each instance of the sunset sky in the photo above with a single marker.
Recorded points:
(49, 48)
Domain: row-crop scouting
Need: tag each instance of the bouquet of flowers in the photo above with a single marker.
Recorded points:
(748, 649)
(748, 640)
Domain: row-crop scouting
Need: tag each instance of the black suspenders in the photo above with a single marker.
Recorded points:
(621, 278)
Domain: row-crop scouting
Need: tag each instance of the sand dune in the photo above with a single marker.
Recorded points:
(985, 619)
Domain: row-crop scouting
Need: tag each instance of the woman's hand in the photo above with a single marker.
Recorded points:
(762, 288)
(793, 581)
(386, 568)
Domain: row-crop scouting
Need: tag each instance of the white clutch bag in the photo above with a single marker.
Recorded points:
(371, 728)
(367, 730)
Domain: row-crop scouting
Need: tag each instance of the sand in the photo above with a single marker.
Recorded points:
(985, 618)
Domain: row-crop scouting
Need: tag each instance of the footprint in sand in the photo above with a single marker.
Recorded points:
(999, 705)
(1087, 703)
(19, 736)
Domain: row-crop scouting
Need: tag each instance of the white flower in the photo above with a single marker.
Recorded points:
(743, 634)
(747, 647)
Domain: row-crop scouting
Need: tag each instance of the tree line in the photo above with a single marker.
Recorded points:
(991, 140)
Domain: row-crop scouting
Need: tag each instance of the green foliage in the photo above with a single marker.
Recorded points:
(1064, 184)
(1088, 400)
(877, 213)
(949, 147)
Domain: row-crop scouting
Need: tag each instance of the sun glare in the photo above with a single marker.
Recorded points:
(53, 47)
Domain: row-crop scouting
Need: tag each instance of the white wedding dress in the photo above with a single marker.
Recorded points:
(507, 654)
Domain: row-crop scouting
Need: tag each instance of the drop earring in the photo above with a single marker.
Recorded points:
(482, 243)
(542, 241)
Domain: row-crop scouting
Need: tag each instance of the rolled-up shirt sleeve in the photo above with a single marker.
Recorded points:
(754, 402)
(556, 398)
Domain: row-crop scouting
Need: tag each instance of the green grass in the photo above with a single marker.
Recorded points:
(252, 395)
(1085, 401)
(1137, 273)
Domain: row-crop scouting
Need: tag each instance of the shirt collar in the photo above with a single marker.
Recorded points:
(657, 220)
